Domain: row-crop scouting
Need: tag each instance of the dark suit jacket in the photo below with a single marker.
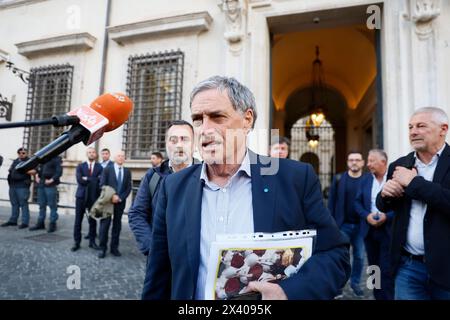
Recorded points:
(363, 205)
(140, 214)
(294, 202)
(109, 178)
(336, 200)
(89, 189)
(436, 195)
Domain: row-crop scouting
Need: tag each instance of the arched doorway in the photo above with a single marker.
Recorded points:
(321, 155)
(350, 87)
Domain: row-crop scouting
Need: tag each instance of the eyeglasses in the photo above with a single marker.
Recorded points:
(22, 152)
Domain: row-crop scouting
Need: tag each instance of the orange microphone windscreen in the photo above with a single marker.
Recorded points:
(114, 106)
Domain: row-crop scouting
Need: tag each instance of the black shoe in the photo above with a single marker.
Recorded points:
(75, 247)
(102, 254)
(116, 253)
(7, 224)
(38, 226)
(23, 226)
(52, 227)
(94, 246)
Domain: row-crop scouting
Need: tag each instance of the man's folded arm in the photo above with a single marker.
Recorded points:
(386, 204)
(432, 193)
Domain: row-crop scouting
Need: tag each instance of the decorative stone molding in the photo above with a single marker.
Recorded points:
(192, 22)
(233, 10)
(422, 13)
(76, 41)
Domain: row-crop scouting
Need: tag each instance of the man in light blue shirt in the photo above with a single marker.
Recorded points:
(238, 191)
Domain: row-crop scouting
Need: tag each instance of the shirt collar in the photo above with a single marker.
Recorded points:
(384, 177)
(244, 168)
(435, 157)
(116, 166)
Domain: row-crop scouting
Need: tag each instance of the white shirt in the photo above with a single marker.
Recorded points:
(376, 188)
(116, 170)
(414, 237)
(224, 210)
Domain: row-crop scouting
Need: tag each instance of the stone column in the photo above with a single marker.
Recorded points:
(422, 14)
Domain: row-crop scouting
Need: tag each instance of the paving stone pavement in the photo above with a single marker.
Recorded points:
(34, 265)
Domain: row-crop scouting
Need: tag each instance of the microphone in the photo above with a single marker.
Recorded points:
(106, 113)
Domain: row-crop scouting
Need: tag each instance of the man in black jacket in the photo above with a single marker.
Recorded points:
(47, 179)
(418, 191)
(19, 191)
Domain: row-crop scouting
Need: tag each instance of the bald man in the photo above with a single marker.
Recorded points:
(119, 178)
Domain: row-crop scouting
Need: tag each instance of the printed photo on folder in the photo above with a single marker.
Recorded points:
(237, 259)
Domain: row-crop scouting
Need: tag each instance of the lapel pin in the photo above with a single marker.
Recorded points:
(266, 190)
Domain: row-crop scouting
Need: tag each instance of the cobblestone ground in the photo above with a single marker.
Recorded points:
(34, 265)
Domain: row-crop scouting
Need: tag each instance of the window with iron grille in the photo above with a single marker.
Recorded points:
(154, 84)
(49, 93)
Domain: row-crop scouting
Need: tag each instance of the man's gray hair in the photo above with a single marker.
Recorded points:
(380, 152)
(240, 96)
(438, 115)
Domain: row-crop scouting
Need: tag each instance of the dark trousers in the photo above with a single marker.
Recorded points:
(116, 227)
(80, 210)
(377, 247)
(357, 242)
(46, 196)
(19, 200)
(146, 288)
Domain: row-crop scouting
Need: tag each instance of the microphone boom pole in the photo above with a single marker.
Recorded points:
(62, 143)
(56, 121)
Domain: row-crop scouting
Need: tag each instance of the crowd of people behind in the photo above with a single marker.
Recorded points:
(92, 177)
(398, 214)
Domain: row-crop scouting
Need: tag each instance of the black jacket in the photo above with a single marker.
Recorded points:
(436, 195)
(17, 179)
(50, 170)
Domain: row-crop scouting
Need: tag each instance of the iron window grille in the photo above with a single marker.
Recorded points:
(49, 94)
(154, 83)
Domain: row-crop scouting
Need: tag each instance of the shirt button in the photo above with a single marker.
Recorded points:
(224, 190)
